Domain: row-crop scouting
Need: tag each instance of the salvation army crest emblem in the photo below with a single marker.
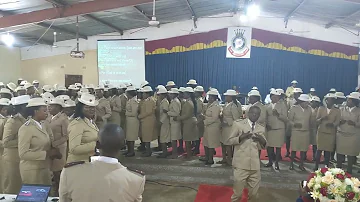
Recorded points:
(239, 44)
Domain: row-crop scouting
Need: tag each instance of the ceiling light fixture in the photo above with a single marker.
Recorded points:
(253, 11)
(8, 39)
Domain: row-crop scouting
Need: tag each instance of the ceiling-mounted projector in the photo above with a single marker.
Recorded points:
(77, 54)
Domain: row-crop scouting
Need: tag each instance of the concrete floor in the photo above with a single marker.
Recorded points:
(279, 186)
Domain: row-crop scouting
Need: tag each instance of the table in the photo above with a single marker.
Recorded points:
(11, 198)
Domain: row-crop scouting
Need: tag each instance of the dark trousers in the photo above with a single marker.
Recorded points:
(341, 159)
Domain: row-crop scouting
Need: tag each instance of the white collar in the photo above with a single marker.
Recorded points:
(108, 160)
(39, 124)
(350, 109)
(55, 115)
(251, 123)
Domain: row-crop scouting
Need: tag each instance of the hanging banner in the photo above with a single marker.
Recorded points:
(238, 42)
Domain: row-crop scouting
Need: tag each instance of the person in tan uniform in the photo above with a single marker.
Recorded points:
(5, 93)
(199, 91)
(276, 113)
(82, 130)
(123, 100)
(314, 104)
(289, 91)
(182, 101)
(35, 145)
(164, 121)
(106, 179)
(58, 122)
(147, 120)
(4, 112)
(248, 138)
(170, 85)
(212, 124)
(12, 179)
(175, 126)
(103, 109)
(327, 119)
(188, 119)
(115, 104)
(299, 119)
(231, 112)
(348, 137)
(157, 115)
(73, 92)
(132, 121)
(69, 109)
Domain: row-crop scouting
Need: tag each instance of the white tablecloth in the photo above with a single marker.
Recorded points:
(11, 198)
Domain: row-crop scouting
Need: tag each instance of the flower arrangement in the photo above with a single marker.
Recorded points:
(333, 185)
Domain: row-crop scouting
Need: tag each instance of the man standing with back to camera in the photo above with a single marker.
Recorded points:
(248, 138)
(104, 179)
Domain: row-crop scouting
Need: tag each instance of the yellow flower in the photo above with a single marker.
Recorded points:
(328, 179)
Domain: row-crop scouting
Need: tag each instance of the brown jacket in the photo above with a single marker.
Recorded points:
(148, 120)
(246, 153)
(78, 182)
(103, 111)
(299, 115)
(83, 134)
(333, 117)
(273, 121)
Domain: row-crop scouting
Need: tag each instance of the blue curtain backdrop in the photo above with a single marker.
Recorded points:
(265, 69)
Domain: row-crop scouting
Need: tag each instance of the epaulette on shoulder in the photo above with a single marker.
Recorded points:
(27, 123)
(74, 164)
(77, 118)
(136, 171)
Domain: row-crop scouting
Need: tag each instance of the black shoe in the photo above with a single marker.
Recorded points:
(195, 152)
(291, 167)
(130, 154)
(277, 166)
(203, 159)
(302, 168)
(268, 165)
(214, 152)
(209, 163)
(157, 149)
(125, 153)
(141, 148)
(287, 154)
(146, 154)
(316, 168)
(162, 156)
(313, 159)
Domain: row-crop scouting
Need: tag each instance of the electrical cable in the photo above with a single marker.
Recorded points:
(170, 185)
(42, 35)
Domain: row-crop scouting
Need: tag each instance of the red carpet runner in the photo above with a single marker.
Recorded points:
(212, 193)
(263, 153)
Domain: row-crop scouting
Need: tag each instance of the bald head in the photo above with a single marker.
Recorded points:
(111, 139)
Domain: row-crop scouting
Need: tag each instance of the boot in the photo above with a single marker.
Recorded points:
(174, 154)
(206, 157)
(131, 149)
(141, 148)
(293, 154)
(164, 153)
(196, 150)
(277, 158)
(302, 158)
(211, 157)
(56, 181)
(270, 151)
(147, 152)
(188, 146)
(314, 149)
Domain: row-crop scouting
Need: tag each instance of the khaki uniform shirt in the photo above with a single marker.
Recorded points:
(273, 121)
(103, 110)
(289, 91)
(299, 115)
(246, 153)
(34, 142)
(103, 180)
(83, 134)
(10, 137)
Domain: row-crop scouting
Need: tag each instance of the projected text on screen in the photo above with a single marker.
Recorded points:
(121, 61)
